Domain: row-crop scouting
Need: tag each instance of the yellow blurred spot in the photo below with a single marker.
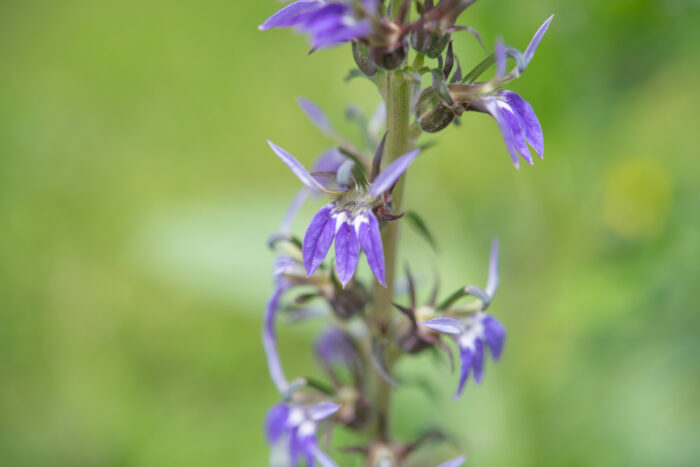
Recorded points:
(636, 197)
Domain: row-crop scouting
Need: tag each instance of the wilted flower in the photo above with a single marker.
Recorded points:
(348, 219)
(297, 424)
(477, 329)
(326, 22)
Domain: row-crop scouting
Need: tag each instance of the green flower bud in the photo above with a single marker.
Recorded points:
(431, 113)
(360, 52)
(390, 58)
(428, 42)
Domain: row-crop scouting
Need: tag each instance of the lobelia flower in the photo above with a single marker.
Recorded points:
(516, 119)
(326, 22)
(348, 219)
(477, 330)
(296, 424)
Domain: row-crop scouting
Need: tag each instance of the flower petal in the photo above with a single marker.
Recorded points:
(392, 172)
(318, 238)
(466, 356)
(323, 410)
(298, 169)
(530, 51)
(495, 335)
(291, 14)
(457, 462)
(500, 56)
(322, 457)
(316, 116)
(517, 134)
(276, 421)
(492, 283)
(445, 325)
(528, 120)
(347, 252)
(371, 242)
(478, 361)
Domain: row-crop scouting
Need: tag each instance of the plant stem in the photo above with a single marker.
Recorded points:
(398, 103)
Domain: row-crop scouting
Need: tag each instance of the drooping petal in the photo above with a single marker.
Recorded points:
(347, 252)
(274, 364)
(532, 47)
(333, 24)
(298, 169)
(495, 335)
(478, 360)
(371, 242)
(271, 311)
(491, 106)
(445, 325)
(276, 421)
(392, 172)
(316, 116)
(322, 457)
(492, 283)
(334, 346)
(323, 410)
(528, 120)
(291, 14)
(466, 357)
(517, 134)
(457, 462)
(318, 238)
(295, 445)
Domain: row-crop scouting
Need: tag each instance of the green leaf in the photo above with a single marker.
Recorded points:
(419, 225)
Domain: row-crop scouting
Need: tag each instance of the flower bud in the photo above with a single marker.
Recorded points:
(429, 42)
(390, 58)
(360, 52)
(431, 113)
(349, 301)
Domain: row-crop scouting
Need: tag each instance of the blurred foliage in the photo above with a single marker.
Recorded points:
(136, 193)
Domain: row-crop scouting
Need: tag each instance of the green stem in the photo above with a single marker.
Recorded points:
(398, 111)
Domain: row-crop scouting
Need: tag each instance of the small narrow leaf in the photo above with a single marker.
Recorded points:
(419, 225)
(379, 362)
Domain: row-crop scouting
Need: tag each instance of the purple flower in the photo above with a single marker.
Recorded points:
(476, 330)
(516, 119)
(326, 22)
(348, 219)
(297, 424)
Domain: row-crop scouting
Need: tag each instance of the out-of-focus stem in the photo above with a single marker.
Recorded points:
(398, 103)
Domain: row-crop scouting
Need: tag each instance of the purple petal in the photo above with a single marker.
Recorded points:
(530, 51)
(323, 410)
(517, 135)
(495, 335)
(271, 311)
(334, 346)
(318, 238)
(275, 422)
(492, 283)
(478, 361)
(274, 364)
(457, 462)
(445, 325)
(295, 446)
(466, 356)
(392, 172)
(293, 209)
(528, 120)
(347, 252)
(322, 457)
(316, 116)
(329, 161)
(371, 242)
(298, 169)
(500, 56)
(291, 14)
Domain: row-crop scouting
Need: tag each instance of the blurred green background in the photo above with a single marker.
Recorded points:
(137, 191)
